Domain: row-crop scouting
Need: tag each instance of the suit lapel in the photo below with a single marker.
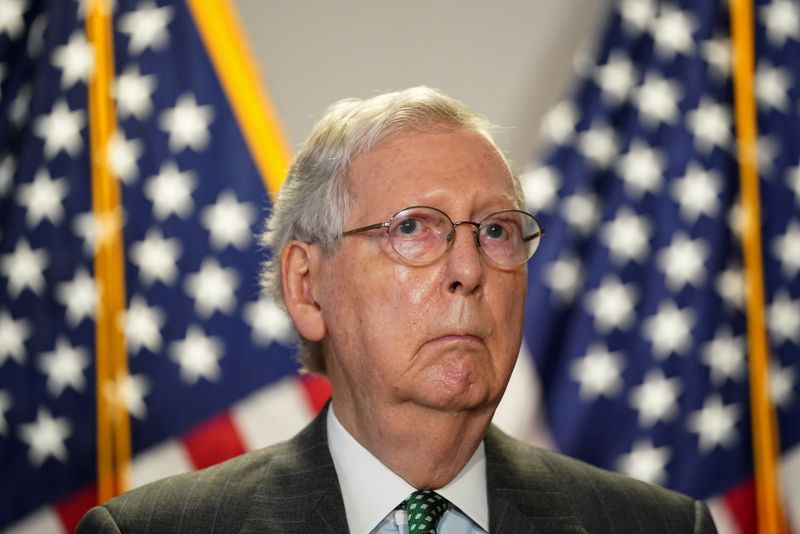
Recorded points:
(524, 495)
(300, 490)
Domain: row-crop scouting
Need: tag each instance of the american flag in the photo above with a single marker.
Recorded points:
(202, 343)
(636, 304)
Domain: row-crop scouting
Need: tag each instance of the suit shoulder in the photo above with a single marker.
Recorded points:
(195, 501)
(600, 497)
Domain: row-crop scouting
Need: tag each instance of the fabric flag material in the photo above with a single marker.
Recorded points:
(202, 343)
(636, 304)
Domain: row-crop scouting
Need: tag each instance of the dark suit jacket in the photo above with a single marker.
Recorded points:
(292, 488)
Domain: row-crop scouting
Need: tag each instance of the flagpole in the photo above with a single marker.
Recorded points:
(769, 514)
(233, 62)
(113, 423)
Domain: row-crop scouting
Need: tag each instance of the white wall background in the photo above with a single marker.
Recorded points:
(509, 60)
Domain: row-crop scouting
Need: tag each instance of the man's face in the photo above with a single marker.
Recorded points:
(444, 335)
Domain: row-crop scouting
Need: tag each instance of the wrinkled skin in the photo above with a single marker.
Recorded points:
(406, 343)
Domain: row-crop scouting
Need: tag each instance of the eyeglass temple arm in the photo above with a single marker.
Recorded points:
(365, 228)
(534, 235)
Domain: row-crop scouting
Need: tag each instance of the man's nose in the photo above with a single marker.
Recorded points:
(465, 264)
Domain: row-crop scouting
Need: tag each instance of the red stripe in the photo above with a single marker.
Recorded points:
(317, 389)
(213, 441)
(741, 501)
(71, 509)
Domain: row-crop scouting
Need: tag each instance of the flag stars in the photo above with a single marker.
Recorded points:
(79, 296)
(558, 124)
(782, 21)
(146, 27)
(64, 366)
(656, 399)
(627, 236)
(19, 109)
(564, 276)
(268, 322)
(657, 100)
(36, 42)
(767, 151)
(786, 249)
(669, 330)
(598, 373)
(43, 198)
(637, 15)
(122, 156)
(725, 356)
(641, 169)
(697, 193)
(129, 392)
(772, 87)
(8, 166)
(672, 32)
(142, 325)
(730, 286)
(96, 231)
(187, 124)
(134, 93)
(24, 269)
(12, 22)
(782, 383)
(132, 390)
(61, 130)
(45, 437)
(646, 462)
(715, 424)
(197, 355)
(540, 188)
(229, 222)
(612, 305)
(793, 179)
(616, 77)
(783, 318)
(13, 335)
(212, 288)
(156, 258)
(711, 125)
(75, 59)
(581, 211)
(170, 191)
(598, 144)
(683, 261)
(717, 53)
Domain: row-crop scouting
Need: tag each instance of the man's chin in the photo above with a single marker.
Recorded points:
(452, 392)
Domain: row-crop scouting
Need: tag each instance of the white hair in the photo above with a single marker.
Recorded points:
(314, 201)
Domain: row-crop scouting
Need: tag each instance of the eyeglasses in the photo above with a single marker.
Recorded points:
(422, 234)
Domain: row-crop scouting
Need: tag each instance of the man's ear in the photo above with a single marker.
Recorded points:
(299, 276)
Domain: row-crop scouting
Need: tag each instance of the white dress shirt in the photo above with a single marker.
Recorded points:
(371, 491)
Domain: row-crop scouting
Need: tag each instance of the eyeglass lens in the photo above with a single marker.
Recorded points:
(423, 234)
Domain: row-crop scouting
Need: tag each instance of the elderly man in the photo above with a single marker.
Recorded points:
(400, 250)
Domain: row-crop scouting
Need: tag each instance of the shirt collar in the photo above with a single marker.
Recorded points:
(370, 490)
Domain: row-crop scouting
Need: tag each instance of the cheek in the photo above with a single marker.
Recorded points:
(411, 291)
(378, 310)
(509, 308)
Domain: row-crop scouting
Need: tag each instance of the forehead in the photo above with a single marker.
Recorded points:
(431, 167)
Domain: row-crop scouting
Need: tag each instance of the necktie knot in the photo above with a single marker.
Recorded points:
(425, 508)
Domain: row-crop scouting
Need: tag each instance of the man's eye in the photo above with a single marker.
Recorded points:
(495, 231)
(408, 227)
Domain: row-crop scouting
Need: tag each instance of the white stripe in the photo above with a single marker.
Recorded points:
(168, 458)
(721, 512)
(790, 480)
(272, 414)
(521, 412)
(43, 521)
